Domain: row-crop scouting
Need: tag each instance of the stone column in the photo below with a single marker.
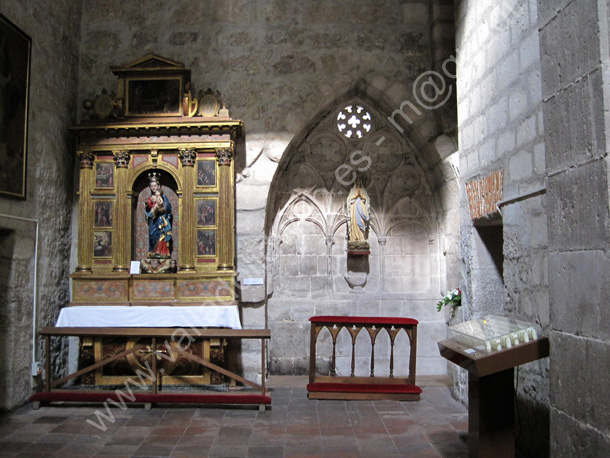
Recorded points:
(121, 242)
(188, 210)
(382, 241)
(329, 260)
(85, 212)
(226, 218)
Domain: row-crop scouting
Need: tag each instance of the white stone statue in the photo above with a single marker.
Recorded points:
(359, 208)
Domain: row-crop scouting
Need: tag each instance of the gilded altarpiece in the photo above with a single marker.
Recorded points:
(120, 146)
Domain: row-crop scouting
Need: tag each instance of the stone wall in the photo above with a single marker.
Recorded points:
(501, 128)
(575, 87)
(54, 27)
(281, 66)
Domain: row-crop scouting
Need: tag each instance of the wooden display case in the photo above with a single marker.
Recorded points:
(491, 398)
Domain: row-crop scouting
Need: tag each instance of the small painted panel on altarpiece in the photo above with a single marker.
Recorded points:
(102, 244)
(104, 175)
(206, 173)
(147, 289)
(206, 212)
(206, 242)
(99, 291)
(103, 214)
(205, 289)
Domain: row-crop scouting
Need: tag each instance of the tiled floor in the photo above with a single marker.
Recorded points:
(436, 426)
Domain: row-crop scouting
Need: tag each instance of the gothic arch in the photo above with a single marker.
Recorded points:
(308, 269)
(366, 94)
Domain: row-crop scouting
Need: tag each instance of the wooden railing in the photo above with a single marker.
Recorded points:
(363, 387)
(52, 391)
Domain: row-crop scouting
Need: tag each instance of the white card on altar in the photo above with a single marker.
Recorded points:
(135, 268)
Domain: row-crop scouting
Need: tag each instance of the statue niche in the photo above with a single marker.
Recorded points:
(156, 221)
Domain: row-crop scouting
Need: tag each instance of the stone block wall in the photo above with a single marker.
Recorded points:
(54, 27)
(575, 87)
(16, 299)
(501, 128)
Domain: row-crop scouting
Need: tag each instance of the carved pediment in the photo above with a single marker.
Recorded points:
(148, 63)
(154, 86)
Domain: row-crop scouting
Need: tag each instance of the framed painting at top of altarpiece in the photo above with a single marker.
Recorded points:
(154, 97)
(15, 47)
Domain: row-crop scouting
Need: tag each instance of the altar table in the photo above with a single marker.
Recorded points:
(107, 316)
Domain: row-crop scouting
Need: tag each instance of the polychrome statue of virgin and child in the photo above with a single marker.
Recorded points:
(158, 212)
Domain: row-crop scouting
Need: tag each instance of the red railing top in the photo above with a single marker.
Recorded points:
(372, 320)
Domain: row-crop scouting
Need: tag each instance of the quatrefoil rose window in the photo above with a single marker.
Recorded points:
(354, 121)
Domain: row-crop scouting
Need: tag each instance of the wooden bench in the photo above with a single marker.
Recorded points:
(159, 336)
(363, 387)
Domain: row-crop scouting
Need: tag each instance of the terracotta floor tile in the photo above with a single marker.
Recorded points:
(376, 446)
(190, 451)
(153, 450)
(124, 440)
(76, 449)
(127, 430)
(21, 436)
(232, 440)
(303, 430)
(12, 447)
(302, 451)
(269, 451)
(161, 440)
(164, 430)
(143, 421)
(196, 441)
(230, 451)
(50, 419)
(117, 450)
(196, 430)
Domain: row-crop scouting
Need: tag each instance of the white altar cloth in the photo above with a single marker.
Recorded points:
(113, 316)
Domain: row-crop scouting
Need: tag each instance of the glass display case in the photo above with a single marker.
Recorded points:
(489, 347)
(494, 332)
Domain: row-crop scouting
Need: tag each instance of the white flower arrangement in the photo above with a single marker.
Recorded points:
(453, 299)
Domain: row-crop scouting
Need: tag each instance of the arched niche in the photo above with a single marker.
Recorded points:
(310, 270)
(140, 194)
(314, 182)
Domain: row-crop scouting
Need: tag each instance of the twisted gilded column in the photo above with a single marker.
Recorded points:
(226, 218)
(188, 210)
(85, 212)
(121, 249)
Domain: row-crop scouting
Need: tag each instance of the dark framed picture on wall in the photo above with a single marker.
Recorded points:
(15, 49)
